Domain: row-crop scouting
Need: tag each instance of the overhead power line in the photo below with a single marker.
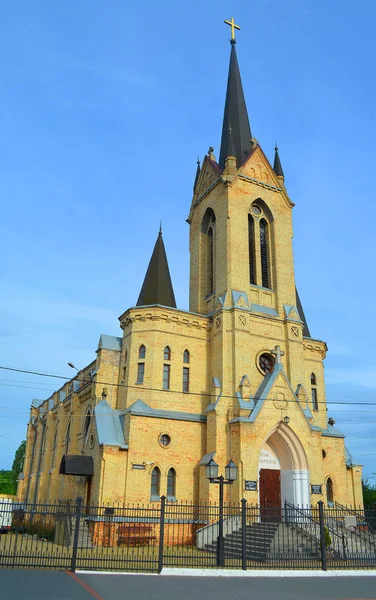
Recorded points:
(162, 390)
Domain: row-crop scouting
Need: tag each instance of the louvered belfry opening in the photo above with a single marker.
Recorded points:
(264, 253)
(251, 249)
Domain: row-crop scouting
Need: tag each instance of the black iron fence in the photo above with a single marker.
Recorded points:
(170, 534)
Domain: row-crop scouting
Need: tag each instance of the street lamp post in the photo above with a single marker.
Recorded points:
(231, 473)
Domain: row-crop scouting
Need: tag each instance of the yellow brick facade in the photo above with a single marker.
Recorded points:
(233, 409)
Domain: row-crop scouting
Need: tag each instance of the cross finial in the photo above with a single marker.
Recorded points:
(233, 27)
(160, 228)
(278, 353)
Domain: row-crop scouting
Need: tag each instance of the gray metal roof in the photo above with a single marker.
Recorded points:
(157, 287)
(236, 131)
(277, 164)
(109, 428)
(109, 342)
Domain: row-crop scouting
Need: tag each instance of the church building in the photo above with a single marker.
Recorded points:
(237, 377)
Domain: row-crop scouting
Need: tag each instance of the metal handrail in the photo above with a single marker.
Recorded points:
(330, 529)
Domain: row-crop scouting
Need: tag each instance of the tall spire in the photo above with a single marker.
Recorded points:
(157, 287)
(198, 171)
(277, 164)
(235, 115)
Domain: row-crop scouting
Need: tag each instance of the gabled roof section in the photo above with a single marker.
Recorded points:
(157, 287)
(235, 118)
(109, 428)
(109, 342)
(141, 409)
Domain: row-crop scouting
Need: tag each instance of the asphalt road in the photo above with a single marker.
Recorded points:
(57, 585)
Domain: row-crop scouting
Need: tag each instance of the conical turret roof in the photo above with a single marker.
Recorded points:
(157, 287)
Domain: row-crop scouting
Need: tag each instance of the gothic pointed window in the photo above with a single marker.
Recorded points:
(186, 356)
(155, 483)
(68, 438)
(210, 261)
(264, 253)
(171, 483)
(167, 353)
(142, 352)
(54, 445)
(208, 252)
(251, 249)
(315, 403)
(87, 423)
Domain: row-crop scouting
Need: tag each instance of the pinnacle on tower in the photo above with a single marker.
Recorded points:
(198, 171)
(236, 115)
(157, 287)
(277, 164)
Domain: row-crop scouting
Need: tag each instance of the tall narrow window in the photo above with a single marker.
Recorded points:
(87, 423)
(54, 451)
(329, 492)
(140, 372)
(171, 483)
(251, 249)
(185, 379)
(142, 352)
(167, 353)
(315, 403)
(166, 377)
(210, 261)
(155, 482)
(68, 438)
(264, 253)
(186, 357)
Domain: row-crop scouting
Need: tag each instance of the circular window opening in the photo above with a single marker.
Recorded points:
(266, 363)
(164, 440)
(256, 210)
(323, 453)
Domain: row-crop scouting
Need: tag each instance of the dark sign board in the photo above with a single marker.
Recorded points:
(250, 486)
(139, 467)
(316, 489)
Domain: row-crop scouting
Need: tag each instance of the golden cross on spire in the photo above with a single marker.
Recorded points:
(233, 27)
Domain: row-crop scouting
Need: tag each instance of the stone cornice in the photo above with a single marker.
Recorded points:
(316, 346)
(168, 315)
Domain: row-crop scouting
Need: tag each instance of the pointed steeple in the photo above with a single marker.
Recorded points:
(306, 332)
(157, 287)
(235, 115)
(198, 171)
(277, 164)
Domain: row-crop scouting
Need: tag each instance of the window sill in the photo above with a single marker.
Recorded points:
(261, 287)
(171, 499)
(155, 498)
(139, 383)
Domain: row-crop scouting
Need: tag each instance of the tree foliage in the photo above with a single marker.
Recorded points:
(18, 463)
(369, 493)
(6, 482)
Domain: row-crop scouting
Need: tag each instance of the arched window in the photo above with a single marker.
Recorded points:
(155, 482)
(54, 450)
(210, 261)
(264, 253)
(329, 492)
(68, 438)
(208, 251)
(87, 422)
(167, 353)
(251, 249)
(186, 356)
(142, 352)
(141, 365)
(315, 403)
(171, 483)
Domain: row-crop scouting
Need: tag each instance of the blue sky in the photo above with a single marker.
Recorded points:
(104, 108)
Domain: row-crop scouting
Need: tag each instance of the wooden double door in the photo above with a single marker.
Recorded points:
(270, 494)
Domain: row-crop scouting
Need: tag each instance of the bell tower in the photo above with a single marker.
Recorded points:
(240, 218)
